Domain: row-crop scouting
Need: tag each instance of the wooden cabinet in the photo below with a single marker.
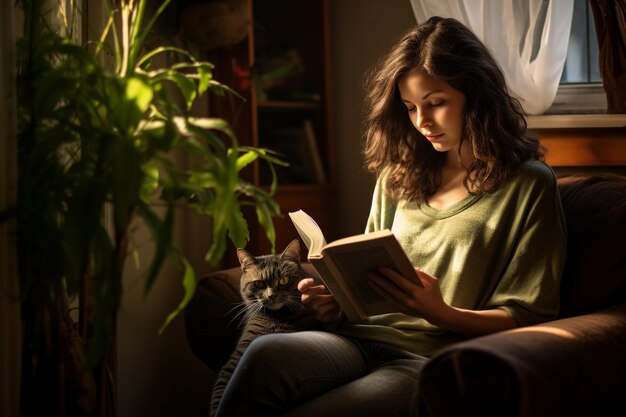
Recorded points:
(282, 69)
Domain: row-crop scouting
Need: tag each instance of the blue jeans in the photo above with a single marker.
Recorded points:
(322, 374)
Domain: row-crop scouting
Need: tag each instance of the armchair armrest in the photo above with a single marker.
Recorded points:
(551, 369)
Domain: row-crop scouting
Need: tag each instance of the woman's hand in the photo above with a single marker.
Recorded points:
(423, 301)
(319, 301)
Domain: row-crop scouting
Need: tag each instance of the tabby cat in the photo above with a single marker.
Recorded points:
(271, 304)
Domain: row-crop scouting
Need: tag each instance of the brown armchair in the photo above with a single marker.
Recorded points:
(572, 366)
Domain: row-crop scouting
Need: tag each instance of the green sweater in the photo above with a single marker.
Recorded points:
(504, 249)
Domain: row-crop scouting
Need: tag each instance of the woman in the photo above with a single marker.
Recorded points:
(463, 188)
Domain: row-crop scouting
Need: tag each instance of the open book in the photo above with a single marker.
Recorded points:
(344, 264)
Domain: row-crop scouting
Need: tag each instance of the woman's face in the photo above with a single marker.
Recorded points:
(435, 108)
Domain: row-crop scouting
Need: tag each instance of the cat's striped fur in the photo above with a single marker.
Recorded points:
(271, 304)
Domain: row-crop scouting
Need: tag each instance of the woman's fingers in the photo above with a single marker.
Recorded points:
(305, 284)
(406, 283)
(318, 300)
(327, 310)
(388, 287)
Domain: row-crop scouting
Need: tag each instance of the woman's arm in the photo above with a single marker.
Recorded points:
(427, 302)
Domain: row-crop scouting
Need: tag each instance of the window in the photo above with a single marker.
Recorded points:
(580, 89)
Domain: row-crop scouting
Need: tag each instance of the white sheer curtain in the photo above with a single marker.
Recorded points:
(527, 37)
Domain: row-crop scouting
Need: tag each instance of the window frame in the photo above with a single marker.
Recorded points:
(583, 97)
(586, 98)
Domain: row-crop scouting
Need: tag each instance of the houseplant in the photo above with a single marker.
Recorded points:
(99, 132)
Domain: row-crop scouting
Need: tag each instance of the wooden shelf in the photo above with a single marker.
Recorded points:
(288, 51)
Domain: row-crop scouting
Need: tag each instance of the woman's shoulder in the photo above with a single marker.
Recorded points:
(537, 172)
(532, 182)
(382, 178)
(532, 177)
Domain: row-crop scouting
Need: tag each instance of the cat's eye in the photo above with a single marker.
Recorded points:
(284, 281)
(259, 284)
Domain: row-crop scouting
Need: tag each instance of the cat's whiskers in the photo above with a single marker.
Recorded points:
(239, 305)
(243, 314)
(251, 310)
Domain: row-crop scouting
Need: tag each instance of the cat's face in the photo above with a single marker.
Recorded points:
(270, 281)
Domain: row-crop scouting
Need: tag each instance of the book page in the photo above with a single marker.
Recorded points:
(309, 231)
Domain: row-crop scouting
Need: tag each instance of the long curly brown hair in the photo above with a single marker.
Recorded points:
(494, 126)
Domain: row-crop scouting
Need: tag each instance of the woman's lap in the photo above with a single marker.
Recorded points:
(320, 373)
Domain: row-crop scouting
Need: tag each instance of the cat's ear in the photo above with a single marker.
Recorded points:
(292, 251)
(246, 259)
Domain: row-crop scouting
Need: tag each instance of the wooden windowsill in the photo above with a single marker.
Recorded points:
(582, 140)
(576, 121)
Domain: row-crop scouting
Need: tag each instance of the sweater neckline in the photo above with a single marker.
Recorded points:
(455, 208)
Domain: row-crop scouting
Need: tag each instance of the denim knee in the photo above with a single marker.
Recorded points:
(270, 353)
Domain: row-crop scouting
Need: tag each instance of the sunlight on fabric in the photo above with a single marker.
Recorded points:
(546, 329)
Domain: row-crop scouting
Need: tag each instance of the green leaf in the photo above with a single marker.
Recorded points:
(269, 155)
(219, 89)
(203, 179)
(212, 123)
(264, 214)
(186, 86)
(189, 284)
(218, 245)
(238, 229)
(165, 49)
(246, 159)
(161, 230)
(150, 182)
(210, 138)
(118, 111)
(139, 93)
(206, 74)
(141, 35)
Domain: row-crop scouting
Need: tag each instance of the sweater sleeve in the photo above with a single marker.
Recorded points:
(530, 286)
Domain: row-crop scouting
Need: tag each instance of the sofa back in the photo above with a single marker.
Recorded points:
(595, 270)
